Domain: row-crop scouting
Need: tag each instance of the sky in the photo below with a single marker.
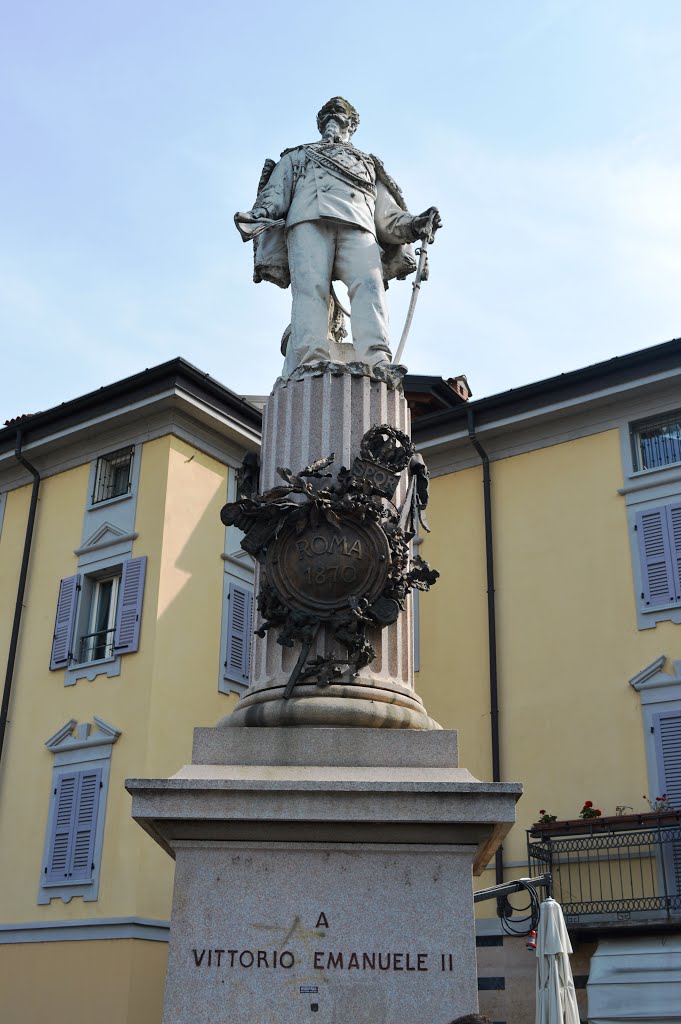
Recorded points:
(548, 133)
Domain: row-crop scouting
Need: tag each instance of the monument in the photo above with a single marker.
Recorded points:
(324, 834)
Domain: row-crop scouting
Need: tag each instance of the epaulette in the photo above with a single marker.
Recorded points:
(390, 183)
(292, 149)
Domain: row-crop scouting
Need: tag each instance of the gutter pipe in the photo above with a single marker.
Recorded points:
(491, 622)
(23, 574)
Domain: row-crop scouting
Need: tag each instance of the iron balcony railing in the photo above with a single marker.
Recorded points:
(612, 873)
(94, 646)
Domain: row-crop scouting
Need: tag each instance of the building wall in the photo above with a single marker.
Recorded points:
(164, 689)
(570, 724)
(82, 981)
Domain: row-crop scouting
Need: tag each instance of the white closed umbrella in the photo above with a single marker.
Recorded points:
(556, 999)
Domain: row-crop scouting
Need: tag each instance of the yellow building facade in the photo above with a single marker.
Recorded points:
(85, 903)
(583, 470)
(128, 638)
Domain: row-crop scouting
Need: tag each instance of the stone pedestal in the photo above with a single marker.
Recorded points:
(307, 419)
(323, 875)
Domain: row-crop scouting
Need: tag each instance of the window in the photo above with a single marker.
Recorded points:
(76, 804)
(657, 442)
(667, 732)
(113, 475)
(237, 662)
(99, 615)
(75, 825)
(236, 629)
(651, 457)
(659, 543)
(98, 642)
(659, 687)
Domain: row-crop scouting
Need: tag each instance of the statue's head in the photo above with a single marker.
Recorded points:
(339, 110)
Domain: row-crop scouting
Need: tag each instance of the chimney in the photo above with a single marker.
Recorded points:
(461, 386)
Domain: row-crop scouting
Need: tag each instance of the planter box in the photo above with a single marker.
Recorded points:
(613, 823)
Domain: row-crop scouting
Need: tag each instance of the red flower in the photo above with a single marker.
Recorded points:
(542, 811)
(597, 813)
(588, 803)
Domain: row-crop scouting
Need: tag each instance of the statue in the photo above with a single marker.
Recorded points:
(329, 212)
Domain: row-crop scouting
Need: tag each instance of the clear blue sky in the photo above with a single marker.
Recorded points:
(547, 131)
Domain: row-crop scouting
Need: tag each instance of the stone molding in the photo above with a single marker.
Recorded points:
(89, 930)
(391, 374)
(398, 802)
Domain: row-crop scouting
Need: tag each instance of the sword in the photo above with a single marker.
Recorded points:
(428, 239)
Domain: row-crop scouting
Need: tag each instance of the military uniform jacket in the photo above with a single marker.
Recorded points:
(335, 182)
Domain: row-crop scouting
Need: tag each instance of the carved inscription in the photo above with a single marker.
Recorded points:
(327, 566)
(323, 960)
(339, 543)
(370, 961)
(269, 958)
(326, 573)
(315, 959)
(377, 477)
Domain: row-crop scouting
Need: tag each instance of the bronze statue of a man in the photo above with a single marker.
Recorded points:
(329, 212)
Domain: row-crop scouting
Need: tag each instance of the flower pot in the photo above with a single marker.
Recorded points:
(606, 823)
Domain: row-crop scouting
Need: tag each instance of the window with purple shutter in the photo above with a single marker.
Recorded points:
(657, 569)
(129, 611)
(67, 605)
(59, 850)
(71, 845)
(74, 835)
(674, 524)
(239, 632)
(667, 731)
(84, 824)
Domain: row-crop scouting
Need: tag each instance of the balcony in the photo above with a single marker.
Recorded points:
(96, 646)
(612, 874)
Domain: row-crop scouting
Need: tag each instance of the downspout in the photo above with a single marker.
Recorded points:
(491, 622)
(18, 608)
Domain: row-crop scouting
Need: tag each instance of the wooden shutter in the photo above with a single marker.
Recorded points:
(668, 748)
(668, 736)
(65, 621)
(129, 610)
(657, 571)
(239, 631)
(59, 847)
(85, 823)
(674, 524)
(72, 842)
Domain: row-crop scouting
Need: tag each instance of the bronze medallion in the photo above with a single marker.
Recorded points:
(321, 569)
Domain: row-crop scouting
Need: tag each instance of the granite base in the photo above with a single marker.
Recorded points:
(323, 875)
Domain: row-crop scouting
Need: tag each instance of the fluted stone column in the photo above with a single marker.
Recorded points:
(307, 419)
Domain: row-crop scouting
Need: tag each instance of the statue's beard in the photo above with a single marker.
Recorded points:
(332, 134)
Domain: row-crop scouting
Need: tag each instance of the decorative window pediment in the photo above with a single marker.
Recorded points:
(65, 739)
(652, 677)
(105, 536)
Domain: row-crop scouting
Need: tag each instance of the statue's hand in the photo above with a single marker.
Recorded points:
(250, 215)
(427, 223)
